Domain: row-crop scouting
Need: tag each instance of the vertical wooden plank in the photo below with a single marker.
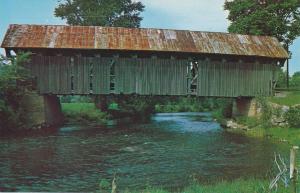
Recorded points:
(66, 75)
(86, 77)
(45, 72)
(50, 72)
(81, 74)
(75, 75)
(57, 75)
(97, 61)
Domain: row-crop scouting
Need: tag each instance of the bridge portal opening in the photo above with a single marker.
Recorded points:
(192, 77)
(91, 75)
(112, 76)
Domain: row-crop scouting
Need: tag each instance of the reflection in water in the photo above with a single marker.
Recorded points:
(168, 151)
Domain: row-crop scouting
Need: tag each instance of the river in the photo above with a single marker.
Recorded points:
(169, 151)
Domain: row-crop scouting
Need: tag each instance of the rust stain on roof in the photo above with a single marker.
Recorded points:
(140, 39)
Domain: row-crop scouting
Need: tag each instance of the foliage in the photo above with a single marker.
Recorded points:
(189, 104)
(264, 121)
(134, 106)
(77, 98)
(281, 80)
(267, 111)
(292, 98)
(279, 18)
(293, 116)
(120, 13)
(14, 82)
(295, 80)
(104, 185)
(141, 107)
(83, 113)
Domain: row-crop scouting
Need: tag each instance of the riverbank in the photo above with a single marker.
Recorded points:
(83, 113)
(279, 119)
(284, 135)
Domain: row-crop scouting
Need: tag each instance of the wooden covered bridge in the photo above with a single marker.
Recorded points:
(104, 60)
(84, 60)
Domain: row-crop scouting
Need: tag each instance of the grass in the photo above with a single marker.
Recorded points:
(287, 135)
(83, 113)
(236, 186)
(292, 98)
(290, 135)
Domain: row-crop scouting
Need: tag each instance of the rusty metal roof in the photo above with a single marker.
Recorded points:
(140, 39)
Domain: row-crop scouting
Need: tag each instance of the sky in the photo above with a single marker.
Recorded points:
(198, 15)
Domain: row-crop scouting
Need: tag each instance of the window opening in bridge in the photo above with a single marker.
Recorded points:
(192, 71)
(112, 76)
(91, 77)
(72, 75)
(72, 84)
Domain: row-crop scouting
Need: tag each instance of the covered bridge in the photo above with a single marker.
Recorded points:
(104, 60)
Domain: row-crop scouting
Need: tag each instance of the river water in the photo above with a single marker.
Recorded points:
(170, 151)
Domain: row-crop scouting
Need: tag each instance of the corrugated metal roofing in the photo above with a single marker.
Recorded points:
(140, 39)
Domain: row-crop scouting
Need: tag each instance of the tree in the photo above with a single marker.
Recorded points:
(278, 18)
(119, 13)
(281, 79)
(14, 82)
(295, 80)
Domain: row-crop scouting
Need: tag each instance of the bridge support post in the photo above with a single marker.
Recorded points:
(245, 106)
(41, 110)
(53, 112)
(101, 102)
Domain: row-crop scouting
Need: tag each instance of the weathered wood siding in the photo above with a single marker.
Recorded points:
(230, 79)
(71, 75)
(151, 76)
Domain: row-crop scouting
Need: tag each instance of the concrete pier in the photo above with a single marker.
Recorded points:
(245, 106)
(41, 110)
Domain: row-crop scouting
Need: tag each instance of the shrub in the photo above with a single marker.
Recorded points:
(266, 110)
(293, 116)
(14, 82)
(83, 113)
(191, 104)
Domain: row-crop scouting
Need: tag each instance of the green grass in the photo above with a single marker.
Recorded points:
(236, 186)
(291, 99)
(251, 122)
(290, 135)
(83, 113)
(75, 107)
